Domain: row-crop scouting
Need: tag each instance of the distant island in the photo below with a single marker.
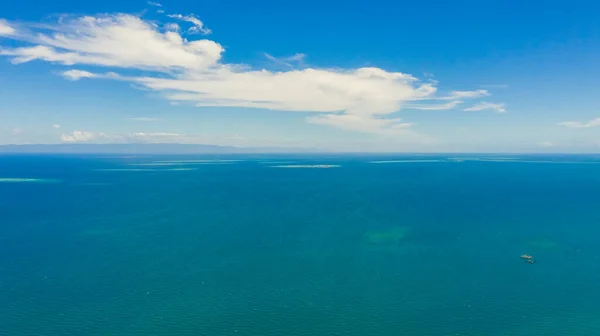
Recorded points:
(156, 148)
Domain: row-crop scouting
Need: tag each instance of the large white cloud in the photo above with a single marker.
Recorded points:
(364, 91)
(119, 40)
(193, 71)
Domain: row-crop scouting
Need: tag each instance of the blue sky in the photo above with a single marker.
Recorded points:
(492, 76)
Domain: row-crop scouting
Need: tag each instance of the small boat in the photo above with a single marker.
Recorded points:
(528, 259)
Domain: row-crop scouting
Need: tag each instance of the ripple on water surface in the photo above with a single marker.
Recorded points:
(307, 166)
(26, 180)
(145, 169)
(405, 161)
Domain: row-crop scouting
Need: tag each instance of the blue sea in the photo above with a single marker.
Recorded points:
(292, 245)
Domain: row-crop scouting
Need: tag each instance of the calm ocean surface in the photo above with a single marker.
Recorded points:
(109, 245)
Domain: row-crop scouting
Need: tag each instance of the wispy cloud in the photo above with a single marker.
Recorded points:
(467, 94)
(433, 107)
(155, 4)
(77, 74)
(487, 106)
(141, 137)
(91, 137)
(184, 69)
(545, 144)
(56, 126)
(289, 61)
(198, 26)
(579, 124)
(5, 28)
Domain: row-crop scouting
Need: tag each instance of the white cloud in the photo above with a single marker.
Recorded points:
(78, 136)
(142, 119)
(365, 91)
(198, 26)
(17, 131)
(155, 4)
(433, 107)
(579, 124)
(57, 126)
(5, 28)
(298, 57)
(182, 138)
(118, 40)
(487, 106)
(545, 144)
(77, 74)
(193, 71)
(174, 27)
(140, 137)
(467, 94)
(289, 61)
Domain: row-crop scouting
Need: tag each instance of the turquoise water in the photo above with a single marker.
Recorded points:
(166, 246)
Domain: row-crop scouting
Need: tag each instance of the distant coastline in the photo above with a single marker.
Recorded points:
(191, 149)
(157, 148)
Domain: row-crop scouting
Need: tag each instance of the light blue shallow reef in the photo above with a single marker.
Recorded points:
(299, 245)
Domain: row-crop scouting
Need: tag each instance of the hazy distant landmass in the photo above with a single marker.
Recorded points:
(146, 149)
